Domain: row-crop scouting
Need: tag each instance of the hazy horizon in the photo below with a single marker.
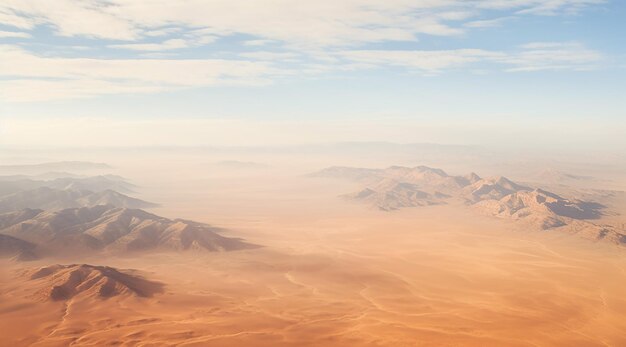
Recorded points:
(328, 173)
(277, 72)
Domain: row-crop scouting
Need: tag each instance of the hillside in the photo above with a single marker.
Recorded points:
(111, 229)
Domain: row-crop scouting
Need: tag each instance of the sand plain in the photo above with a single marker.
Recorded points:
(334, 273)
(438, 276)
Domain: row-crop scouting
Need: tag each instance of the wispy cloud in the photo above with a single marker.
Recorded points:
(554, 7)
(14, 34)
(539, 7)
(534, 56)
(425, 61)
(163, 46)
(253, 43)
(302, 23)
(487, 23)
(539, 56)
(190, 38)
(29, 77)
(34, 77)
(70, 18)
(314, 37)
(268, 55)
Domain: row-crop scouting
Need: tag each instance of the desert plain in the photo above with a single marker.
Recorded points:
(326, 272)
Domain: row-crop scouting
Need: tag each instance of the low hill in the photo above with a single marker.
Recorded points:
(392, 195)
(549, 209)
(63, 282)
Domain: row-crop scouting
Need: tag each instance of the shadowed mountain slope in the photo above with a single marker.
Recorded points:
(398, 187)
(111, 229)
(63, 282)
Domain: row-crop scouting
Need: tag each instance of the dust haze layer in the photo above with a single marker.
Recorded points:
(452, 259)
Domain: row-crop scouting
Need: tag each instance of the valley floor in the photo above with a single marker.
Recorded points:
(434, 276)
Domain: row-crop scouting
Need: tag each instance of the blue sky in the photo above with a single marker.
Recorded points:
(265, 65)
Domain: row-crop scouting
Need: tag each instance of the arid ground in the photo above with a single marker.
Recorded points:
(332, 273)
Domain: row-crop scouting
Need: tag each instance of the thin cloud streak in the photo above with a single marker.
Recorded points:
(34, 78)
(295, 23)
(146, 43)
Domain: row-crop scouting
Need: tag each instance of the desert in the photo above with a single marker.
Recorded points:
(326, 173)
(309, 267)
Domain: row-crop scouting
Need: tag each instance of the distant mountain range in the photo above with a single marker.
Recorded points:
(391, 195)
(399, 187)
(20, 192)
(46, 198)
(14, 184)
(547, 209)
(31, 233)
(53, 166)
(46, 176)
